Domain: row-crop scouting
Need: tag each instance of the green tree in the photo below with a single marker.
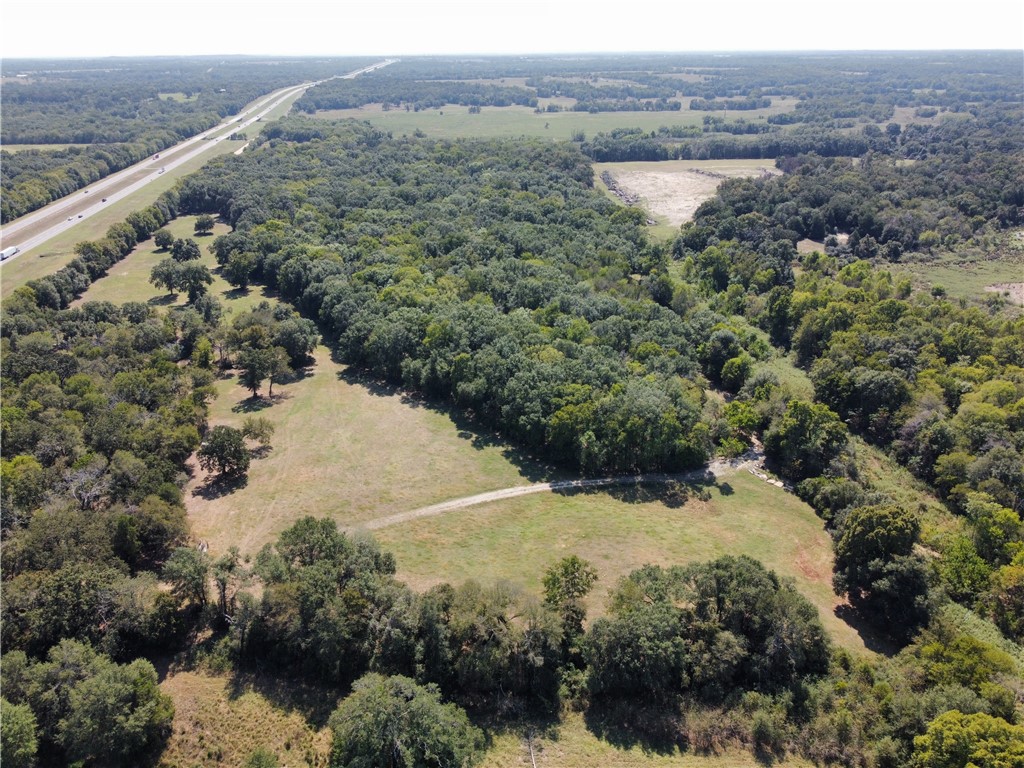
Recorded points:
(258, 428)
(736, 371)
(188, 570)
(163, 239)
(18, 744)
(391, 722)
(117, 717)
(565, 585)
(193, 279)
(185, 249)
(204, 224)
(956, 740)
(166, 274)
(805, 439)
(875, 567)
(239, 268)
(224, 451)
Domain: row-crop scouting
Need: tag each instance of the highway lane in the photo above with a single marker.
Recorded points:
(34, 229)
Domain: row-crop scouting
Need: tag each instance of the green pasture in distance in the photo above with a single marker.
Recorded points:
(454, 121)
(41, 147)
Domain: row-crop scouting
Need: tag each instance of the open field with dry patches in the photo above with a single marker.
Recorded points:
(454, 121)
(620, 530)
(345, 449)
(975, 273)
(221, 721)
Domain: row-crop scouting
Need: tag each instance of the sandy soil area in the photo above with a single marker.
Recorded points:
(675, 190)
(1015, 291)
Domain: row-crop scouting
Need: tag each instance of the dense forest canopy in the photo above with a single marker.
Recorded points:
(491, 276)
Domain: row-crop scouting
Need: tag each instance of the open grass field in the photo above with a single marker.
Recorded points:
(975, 273)
(454, 121)
(128, 280)
(221, 721)
(571, 744)
(347, 450)
(618, 531)
(41, 147)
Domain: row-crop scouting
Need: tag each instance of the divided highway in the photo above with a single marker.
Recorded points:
(34, 229)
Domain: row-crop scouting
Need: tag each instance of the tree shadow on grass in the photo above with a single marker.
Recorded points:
(871, 637)
(233, 294)
(261, 451)
(627, 724)
(314, 703)
(672, 491)
(259, 403)
(163, 300)
(217, 486)
(512, 716)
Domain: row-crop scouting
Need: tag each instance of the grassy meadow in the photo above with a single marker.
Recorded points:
(967, 274)
(40, 147)
(455, 121)
(517, 539)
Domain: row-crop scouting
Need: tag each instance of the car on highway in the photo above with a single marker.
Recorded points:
(103, 200)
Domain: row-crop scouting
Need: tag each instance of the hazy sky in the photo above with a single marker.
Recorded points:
(358, 27)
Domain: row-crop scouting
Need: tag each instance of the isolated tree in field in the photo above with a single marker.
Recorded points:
(204, 224)
(280, 369)
(256, 365)
(193, 279)
(163, 239)
(224, 451)
(258, 428)
(166, 274)
(392, 722)
(185, 249)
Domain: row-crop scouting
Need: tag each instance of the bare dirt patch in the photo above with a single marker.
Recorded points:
(673, 190)
(1014, 291)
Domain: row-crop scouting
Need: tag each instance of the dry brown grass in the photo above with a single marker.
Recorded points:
(221, 722)
(344, 450)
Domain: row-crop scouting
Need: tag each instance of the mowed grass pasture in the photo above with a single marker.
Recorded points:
(454, 121)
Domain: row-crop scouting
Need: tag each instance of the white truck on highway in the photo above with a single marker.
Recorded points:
(6, 253)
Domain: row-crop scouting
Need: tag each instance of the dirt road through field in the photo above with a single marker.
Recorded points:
(751, 462)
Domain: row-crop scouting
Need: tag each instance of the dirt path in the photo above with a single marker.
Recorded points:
(752, 461)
